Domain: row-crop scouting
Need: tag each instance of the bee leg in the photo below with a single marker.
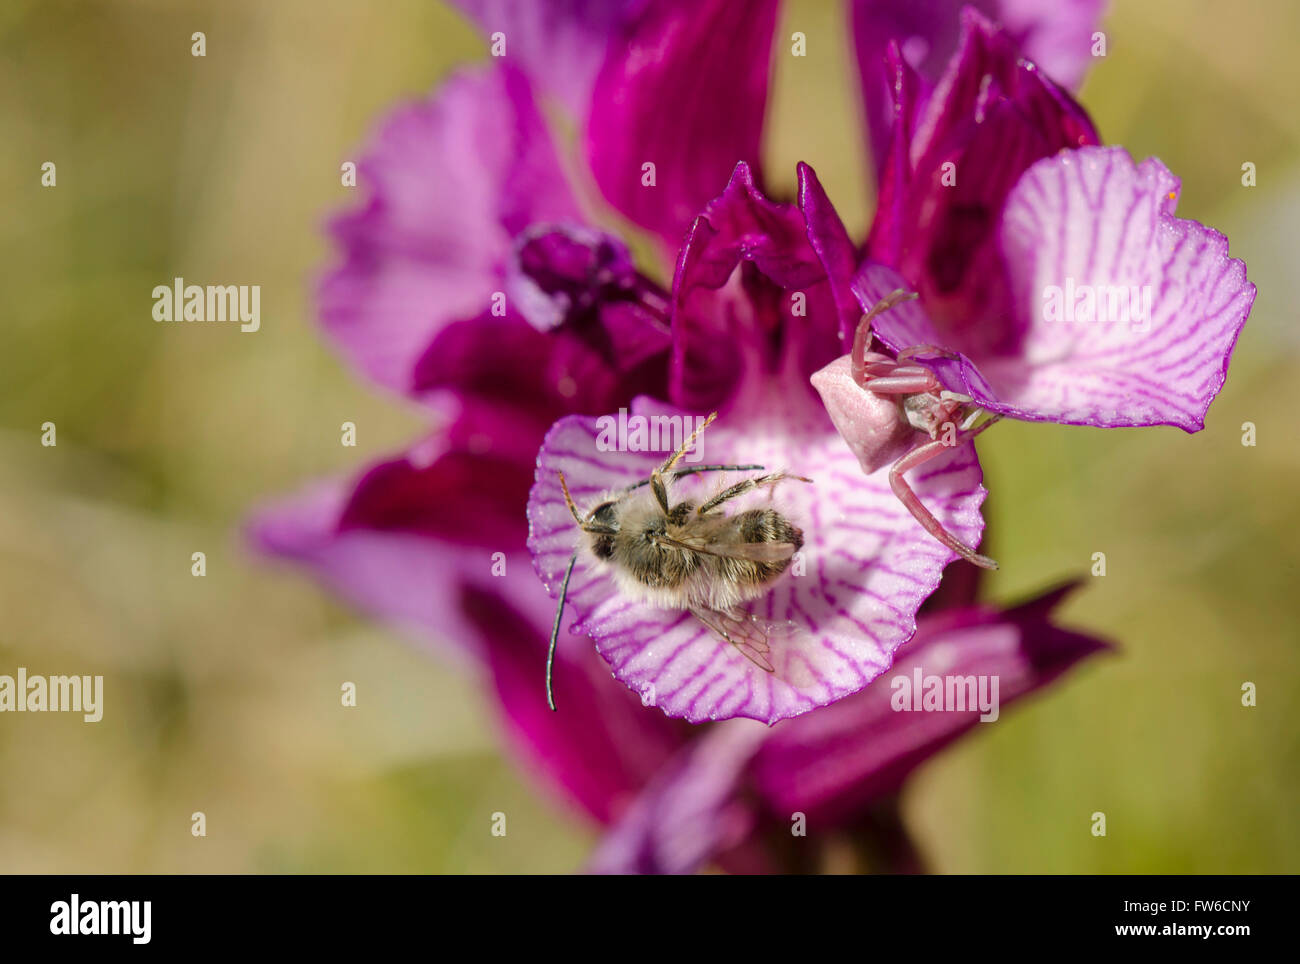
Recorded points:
(918, 456)
(695, 469)
(656, 477)
(746, 485)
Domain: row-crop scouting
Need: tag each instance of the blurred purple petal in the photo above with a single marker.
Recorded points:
(604, 745)
(462, 497)
(690, 812)
(833, 762)
(450, 182)
(866, 564)
(1057, 35)
(560, 44)
(685, 90)
(398, 576)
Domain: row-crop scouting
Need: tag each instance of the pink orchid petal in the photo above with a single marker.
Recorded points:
(686, 91)
(867, 564)
(604, 746)
(1093, 219)
(831, 763)
(400, 577)
(542, 35)
(833, 247)
(907, 96)
(1096, 218)
(450, 182)
(690, 811)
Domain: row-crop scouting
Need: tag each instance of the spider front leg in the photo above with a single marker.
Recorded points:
(919, 456)
(902, 380)
(866, 364)
(915, 350)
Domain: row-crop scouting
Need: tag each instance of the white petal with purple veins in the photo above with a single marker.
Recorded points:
(1092, 224)
(866, 564)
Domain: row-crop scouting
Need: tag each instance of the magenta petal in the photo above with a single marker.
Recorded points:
(745, 263)
(559, 43)
(604, 746)
(689, 813)
(1055, 35)
(461, 497)
(830, 763)
(450, 182)
(906, 324)
(890, 226)
(685, 91)
(866, 564)
(989, 118)
(833, 247)
(989, 66)
(400, 577)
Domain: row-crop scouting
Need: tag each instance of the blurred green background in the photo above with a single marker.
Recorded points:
(222, 693)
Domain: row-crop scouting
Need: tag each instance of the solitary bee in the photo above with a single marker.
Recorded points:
(688, 556)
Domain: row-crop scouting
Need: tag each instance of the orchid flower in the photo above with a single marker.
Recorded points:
(482, 281)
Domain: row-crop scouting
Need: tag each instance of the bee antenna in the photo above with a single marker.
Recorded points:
(555, 630)
(568, 500)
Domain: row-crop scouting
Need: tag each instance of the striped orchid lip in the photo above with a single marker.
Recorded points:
(835, 617)
(1125, 315)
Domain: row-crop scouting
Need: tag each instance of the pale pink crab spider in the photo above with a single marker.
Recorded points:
(926, 406)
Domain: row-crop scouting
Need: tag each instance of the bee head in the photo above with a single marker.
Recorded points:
(604, 515)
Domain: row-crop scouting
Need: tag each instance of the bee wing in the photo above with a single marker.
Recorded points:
(744, 632)
(751, 551)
